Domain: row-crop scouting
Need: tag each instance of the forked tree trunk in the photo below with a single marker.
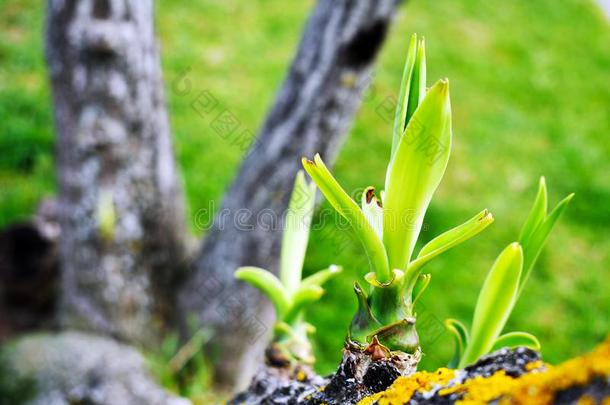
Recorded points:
(312, 112)
(121, 203)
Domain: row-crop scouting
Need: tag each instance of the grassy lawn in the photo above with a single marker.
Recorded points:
(530, 94)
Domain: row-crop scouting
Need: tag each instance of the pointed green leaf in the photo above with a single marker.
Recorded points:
(400, 120)
(536, 242)
(516, 339)
(322, 276)
(412, 88)
(460, 335)
(364, 320)
(282, 328)
(371, 207)
(348, 208)
(309, 328)
(304, 296)
(420, 286)
(457, 235)
(447, 240)
(270, 285)
(495, 302)
(415, 172)
(418, 82)
(296, 232)
(536, 215)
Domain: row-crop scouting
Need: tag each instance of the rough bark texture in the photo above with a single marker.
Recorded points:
(312, 112)
(115, 161)
(349, 386)
(79, 368)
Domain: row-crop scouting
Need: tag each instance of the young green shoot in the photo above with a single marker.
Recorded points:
(388, 225)
(502, 287)
(289, 293)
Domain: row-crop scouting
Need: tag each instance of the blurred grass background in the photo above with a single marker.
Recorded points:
(530, 84)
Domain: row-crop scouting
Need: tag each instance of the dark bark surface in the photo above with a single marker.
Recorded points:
(29, 274)
(348, 386)
(312, 112)
(121, 212)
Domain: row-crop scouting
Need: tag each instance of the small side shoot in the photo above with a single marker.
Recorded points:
(502, 287)
(290, 294)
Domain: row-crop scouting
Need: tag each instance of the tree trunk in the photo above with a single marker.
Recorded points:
(312, 112)
(121, 209)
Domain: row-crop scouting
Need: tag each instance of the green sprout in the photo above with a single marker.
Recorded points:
(503, 286)
(290, 294)
(388, 226)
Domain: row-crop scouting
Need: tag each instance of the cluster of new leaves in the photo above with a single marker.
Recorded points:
(389, 225)
(290, 294)
(502, 287)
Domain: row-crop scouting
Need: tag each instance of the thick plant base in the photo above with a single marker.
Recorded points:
(360, 374)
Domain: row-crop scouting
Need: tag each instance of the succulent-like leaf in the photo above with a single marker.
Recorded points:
(515, 339)
(400, 120)
(306, 294)
(412, 88)
(420, 286)
(418, 82)
(535, 243)
(296, 232)
(415, 172)
(456, 235)
(387, 299)
(348, 208)
(322, 276)
(373, 212)
(495, 302)
(283, 328)
(364, 320)
(536, 215)
(460, 335)
(448, 240)
(309, 328)
(270, 285)
(400, 335)
(396, 280)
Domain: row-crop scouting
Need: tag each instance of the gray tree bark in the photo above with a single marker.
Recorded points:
(121, 209)
(312, 112)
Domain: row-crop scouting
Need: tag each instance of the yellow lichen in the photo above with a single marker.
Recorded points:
(537, 387)
(481, 390)
(586, 400)
(534, 365)
(541, 387)
(404, 387)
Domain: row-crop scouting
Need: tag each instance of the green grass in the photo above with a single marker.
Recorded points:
(529, 84)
